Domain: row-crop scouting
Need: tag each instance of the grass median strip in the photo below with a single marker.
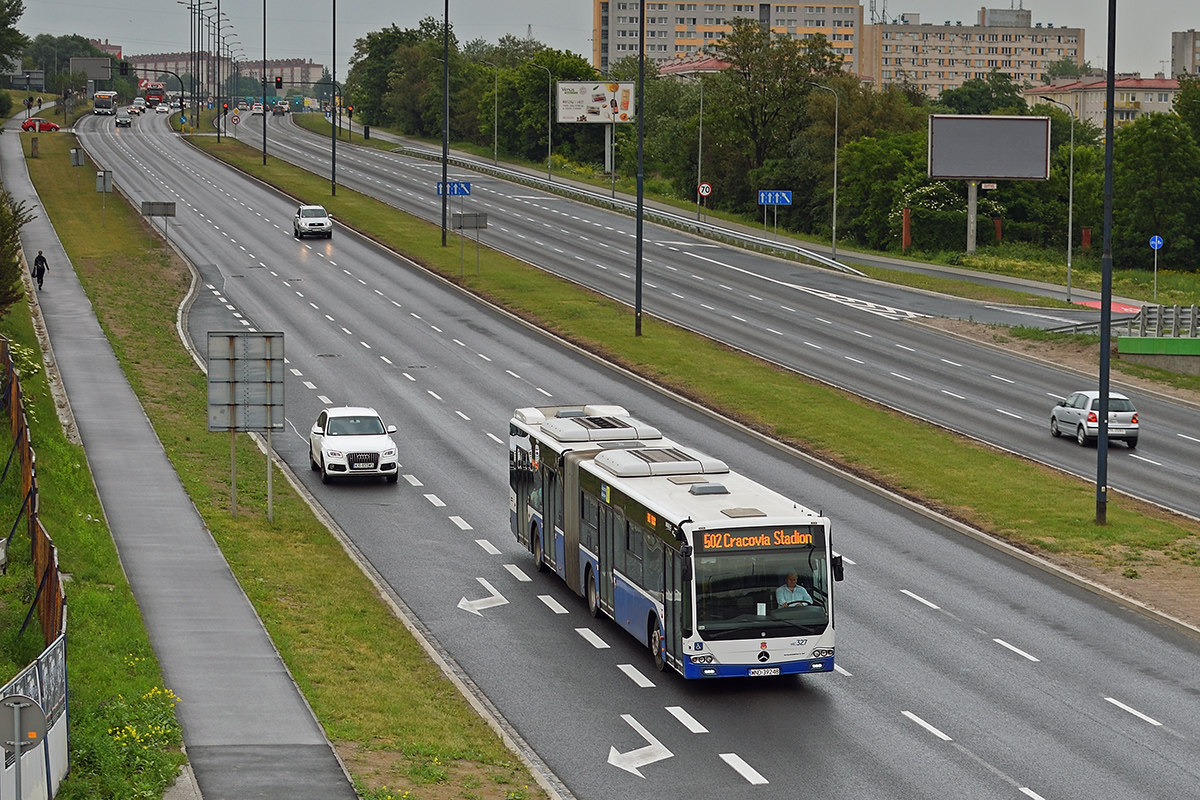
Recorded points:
(1035, 507)
(395, 719)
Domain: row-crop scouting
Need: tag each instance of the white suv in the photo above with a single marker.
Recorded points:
(352, 441)
(312, 221)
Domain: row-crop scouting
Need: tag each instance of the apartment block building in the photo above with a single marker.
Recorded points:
(1134, 96)
(1185, 53)
(296, 72)
(680, 30)
(936, 58)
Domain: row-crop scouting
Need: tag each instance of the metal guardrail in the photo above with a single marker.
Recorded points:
(697, 227)
(1170, 321)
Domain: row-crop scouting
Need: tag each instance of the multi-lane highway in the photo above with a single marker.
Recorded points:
(838, 328)
(963, 672)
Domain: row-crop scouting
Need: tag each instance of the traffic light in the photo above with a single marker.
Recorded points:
(225, 107)
(350, 111)
(278, 82)
(124, 68)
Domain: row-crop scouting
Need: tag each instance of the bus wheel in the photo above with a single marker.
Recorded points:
(593, 597)
(656, 645)
(538, 552)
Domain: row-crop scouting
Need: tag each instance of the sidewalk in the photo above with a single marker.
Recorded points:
(247, 730)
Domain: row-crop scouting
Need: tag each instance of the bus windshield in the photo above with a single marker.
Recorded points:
(747, 594)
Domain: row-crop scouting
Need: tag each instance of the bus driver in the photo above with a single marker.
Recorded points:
(791, 594)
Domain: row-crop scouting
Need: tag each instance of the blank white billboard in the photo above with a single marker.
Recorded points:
(596, 101)
(984, 147)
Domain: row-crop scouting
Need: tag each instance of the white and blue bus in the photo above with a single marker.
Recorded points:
(718, 575)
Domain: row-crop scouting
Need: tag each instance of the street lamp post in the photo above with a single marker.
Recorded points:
(264, 83)
(699, 145)
(1070, 192)
(835, 160)
(549, 117)
(495, 113)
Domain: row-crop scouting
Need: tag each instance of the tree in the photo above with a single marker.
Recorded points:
(1065, 67)
(1187, 103)
(991, 95)
(1156, 191)
(13, 215)
(508, 52)
(876, 172)
(760, 95)
(12, 41)
(374, 61)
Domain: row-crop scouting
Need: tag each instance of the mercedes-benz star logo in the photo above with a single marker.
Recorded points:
(764, 656)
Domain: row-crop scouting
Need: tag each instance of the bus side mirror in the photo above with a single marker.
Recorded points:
(839, 572)
(685, 553)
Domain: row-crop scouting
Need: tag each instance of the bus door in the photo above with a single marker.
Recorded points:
(674, 607)
(571, 516)
(612, 545)
(551, 506)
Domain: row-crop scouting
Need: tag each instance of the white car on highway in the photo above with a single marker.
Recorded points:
(351, 440)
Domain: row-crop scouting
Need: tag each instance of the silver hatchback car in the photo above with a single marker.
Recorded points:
(1079, 414)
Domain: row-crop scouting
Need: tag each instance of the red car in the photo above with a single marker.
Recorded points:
(38, 124)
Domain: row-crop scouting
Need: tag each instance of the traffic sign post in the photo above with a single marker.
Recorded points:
(27, 721)
(1156, 244)
(702, 191)
(776, 198)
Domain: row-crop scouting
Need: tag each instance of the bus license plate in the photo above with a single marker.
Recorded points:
(757, 672)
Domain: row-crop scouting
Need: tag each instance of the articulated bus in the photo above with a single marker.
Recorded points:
(718, 575)
(104, 103)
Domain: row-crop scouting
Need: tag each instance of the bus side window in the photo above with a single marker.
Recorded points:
(653, 564)
(635, 539)
(588, 531)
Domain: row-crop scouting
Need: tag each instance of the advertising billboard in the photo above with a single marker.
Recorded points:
(596, 101)
(983, 147)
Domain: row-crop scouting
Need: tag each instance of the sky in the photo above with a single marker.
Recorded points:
(301, 28)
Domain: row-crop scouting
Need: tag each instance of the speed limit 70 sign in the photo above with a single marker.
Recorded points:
(705, 189)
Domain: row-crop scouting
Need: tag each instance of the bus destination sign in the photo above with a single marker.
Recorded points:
(755, 539)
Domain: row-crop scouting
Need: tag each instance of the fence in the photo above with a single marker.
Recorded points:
(1174, 321)
(45, 680)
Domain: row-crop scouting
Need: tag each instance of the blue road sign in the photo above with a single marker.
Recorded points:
(1156, 242)
(454, 188)
(182, 119)
(767, 197)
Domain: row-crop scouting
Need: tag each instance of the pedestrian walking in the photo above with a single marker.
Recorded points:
(40, 268)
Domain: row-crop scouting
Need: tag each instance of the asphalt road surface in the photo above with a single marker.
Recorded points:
(963, 672)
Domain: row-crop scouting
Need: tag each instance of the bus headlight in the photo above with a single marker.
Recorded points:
(822, 652)
(704, 659)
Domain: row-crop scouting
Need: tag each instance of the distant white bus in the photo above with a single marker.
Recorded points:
(104, 103)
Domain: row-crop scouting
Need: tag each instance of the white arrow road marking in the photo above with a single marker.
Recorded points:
(477, 606)
(631, 761)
